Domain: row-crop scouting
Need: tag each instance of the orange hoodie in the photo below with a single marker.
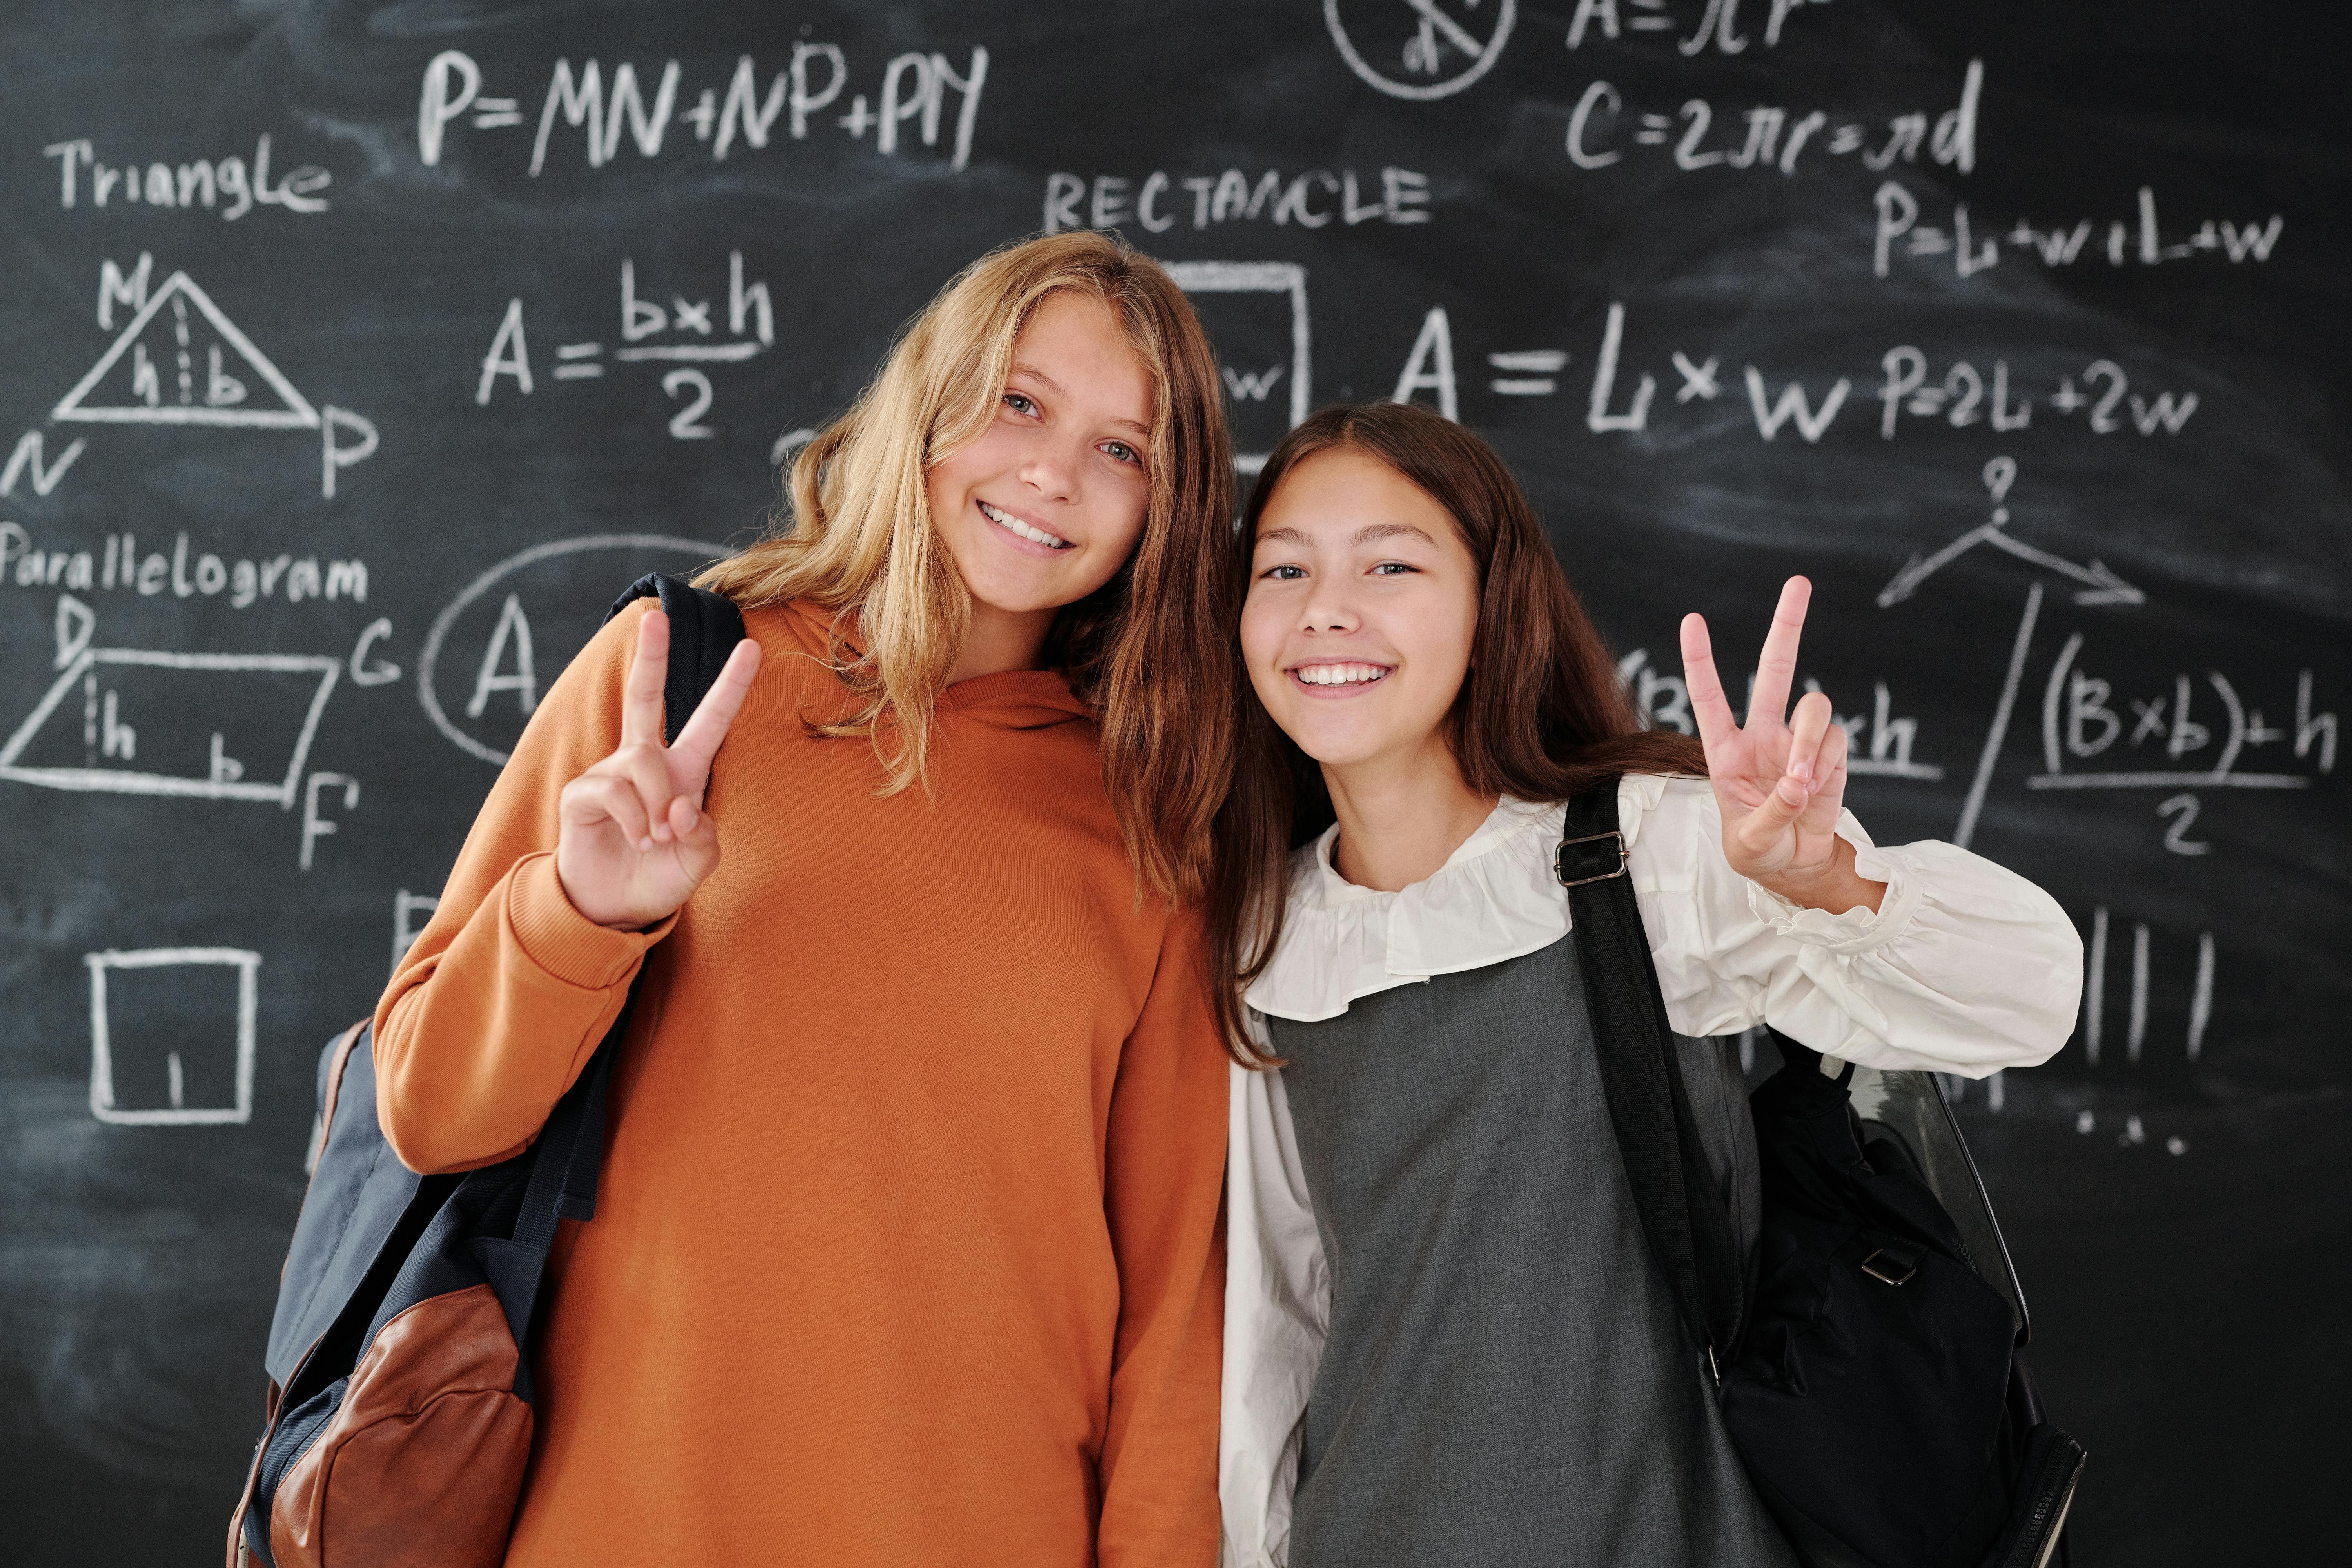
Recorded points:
(905, 1247)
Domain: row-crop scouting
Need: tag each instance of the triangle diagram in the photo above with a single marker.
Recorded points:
(181, 361)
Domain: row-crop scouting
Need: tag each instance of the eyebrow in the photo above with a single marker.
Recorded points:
(1371, 533)
(1050, 385)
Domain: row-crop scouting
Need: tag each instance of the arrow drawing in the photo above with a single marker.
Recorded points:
(2101, 584)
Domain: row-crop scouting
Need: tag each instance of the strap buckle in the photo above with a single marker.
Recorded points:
(1575, 866)
(1900, 1263)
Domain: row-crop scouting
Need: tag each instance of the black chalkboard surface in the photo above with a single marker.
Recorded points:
(352, 355)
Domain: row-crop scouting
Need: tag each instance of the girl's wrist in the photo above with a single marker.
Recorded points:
(1834, 888)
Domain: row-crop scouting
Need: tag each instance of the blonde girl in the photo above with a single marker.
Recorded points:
(905, 1251)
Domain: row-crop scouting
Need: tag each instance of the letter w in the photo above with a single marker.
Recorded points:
(2241, 243)
(2163, 411)
(1792, 405)
(1245, 387)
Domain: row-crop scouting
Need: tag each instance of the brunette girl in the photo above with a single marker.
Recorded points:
(1446, 1343)
(906, 1244)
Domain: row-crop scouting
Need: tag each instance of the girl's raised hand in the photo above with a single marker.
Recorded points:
(633, 841)
(1779, 783)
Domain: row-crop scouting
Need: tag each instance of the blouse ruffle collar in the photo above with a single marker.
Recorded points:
(1496, 897)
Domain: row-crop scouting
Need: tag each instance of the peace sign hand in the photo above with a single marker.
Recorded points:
(633, 841)
(1780, 785)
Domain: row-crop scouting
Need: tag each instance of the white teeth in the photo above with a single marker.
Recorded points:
(1341, 674)
(1006, 521)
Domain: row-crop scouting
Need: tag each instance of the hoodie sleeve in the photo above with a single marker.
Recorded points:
(508, 990)
(1165, 1166)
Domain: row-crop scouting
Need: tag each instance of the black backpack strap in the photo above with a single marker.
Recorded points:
(704, 628)
(1686, 1224)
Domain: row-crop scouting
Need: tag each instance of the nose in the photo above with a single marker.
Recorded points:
(1331, 605)
(1052, 466)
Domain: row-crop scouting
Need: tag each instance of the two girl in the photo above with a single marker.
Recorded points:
(906, 1249)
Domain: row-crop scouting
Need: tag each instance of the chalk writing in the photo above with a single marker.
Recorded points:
(509, 664)
(186, 186)
(1311, 200)
(2102, 585)
(189, 364)
(26, 462)
(2097, 1026)
(116, 566)
(2184, 719)
(257, 707)
(750, 321)
(1719, 25)
(2138, 241)
(908, 105)
(1284, 280)
(1604, 130)
(1435, 53)
(111, 1053)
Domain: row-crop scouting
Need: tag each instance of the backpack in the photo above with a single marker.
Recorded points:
(1870, 1373)
(397, 1422)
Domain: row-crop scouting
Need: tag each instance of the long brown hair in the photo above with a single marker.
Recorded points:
(1145, 647)
(1542, 714)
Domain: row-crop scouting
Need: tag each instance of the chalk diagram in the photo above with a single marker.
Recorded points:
(117, 759)
(2102, 586)
(1434, 42)
(1285, 279)
(181, 361)
(509, 662)
(115, 1056)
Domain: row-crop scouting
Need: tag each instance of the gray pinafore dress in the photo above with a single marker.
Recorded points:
(1506, 1382)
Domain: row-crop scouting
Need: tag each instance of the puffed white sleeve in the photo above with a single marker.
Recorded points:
(1278, 1310)
(1965, 967)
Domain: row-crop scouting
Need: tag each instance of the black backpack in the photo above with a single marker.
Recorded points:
(1870, 1371)
(398, 1418)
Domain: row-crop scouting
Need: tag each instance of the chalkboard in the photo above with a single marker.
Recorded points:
(356, 354)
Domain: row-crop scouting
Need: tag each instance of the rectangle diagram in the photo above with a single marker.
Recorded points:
(1287, 279)
(184, 1056)
(147, 724)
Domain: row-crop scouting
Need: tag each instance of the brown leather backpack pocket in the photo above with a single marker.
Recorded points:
(420, 1465)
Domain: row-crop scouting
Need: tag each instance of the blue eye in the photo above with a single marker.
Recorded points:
(1019, 403)
(1124, 453)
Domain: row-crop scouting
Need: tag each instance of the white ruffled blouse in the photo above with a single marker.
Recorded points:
(1964, 968)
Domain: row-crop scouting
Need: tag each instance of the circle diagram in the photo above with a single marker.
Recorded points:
(1428, 41)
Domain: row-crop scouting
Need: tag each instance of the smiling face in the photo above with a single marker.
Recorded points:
(1362, 604)
(1048, 503)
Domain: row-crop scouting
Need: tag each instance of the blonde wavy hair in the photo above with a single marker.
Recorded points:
(1147, 649)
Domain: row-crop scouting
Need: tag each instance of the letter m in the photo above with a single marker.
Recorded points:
(113, 288)
(581, 103)
(347, 577)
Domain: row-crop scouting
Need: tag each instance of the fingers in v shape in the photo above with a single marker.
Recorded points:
(1704, 683)
(1776, 667)
(641, 694)
(707, 728)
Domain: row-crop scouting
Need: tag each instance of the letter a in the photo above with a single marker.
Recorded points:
(1436, 341)
(524, 681)
(508, 355)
